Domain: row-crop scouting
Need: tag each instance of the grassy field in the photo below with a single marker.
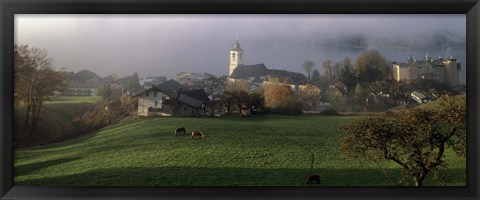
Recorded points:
(257, 151)
(56, 119)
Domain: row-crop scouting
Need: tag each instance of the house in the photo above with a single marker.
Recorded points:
(418, 97)
(148, 82)
(259, 74)
(442, 70)
(339, 85)
(191, 78)
(171, 99)
(402, 71)
(81, 89)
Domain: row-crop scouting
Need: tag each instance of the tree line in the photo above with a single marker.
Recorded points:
(369, 74)
(274, 96)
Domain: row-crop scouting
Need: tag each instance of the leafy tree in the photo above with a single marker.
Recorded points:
(235, 93)
(308, 67)
(280, 98)
(35, 81)
(134, 84)
(256, 100)
(327, 69)
(337, 100)
(371, 66)
(359, 94)
(415, 139)
(310, 97)
(315, 76)
(346, 74)
(108, 91)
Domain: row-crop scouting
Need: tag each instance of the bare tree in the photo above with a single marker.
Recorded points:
(35, 81)
(327, 69)
(235, 92)
(308, 67)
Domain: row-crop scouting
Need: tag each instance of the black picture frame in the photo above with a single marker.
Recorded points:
(9, 8)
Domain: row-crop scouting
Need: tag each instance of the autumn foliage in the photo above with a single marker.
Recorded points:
(415, 139)
(280, 98)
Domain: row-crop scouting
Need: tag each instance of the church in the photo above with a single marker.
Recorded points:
(259, 74)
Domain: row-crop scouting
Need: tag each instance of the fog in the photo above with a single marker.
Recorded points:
(164, 45)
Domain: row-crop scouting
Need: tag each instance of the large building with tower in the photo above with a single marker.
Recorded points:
(443, 70)
(259, 74)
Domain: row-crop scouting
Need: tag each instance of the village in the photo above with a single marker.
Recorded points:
(248, 126)
(408, 84)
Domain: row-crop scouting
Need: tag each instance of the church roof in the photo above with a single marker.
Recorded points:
(190, 101)
(291, 77)
(236, 46)
(259, 70)
(174, 89)
(197, 94)
(170, 86)
(247, 71)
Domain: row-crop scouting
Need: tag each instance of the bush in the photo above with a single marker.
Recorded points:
(104, 113)
(294, 108)
(329, 111)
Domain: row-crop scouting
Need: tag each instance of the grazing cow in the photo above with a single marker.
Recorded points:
(198, 135)
(178, 130)
(313, 179)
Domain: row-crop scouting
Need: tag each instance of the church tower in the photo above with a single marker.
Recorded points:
(236, 56)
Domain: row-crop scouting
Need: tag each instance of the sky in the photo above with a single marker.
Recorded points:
(164, 45)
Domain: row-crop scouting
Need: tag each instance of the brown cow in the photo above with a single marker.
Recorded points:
(198, 135)
(178, 130)
(313, 179)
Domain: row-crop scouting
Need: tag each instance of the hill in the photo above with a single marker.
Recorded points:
(83, 75)
(257, 151)
(56, 120)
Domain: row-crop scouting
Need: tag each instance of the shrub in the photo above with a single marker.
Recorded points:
(329, 111)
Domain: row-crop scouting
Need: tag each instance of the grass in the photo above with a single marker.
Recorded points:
(264, 150)
(73, 100)
(55, 121)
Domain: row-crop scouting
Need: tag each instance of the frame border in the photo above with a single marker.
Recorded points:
(8, 8)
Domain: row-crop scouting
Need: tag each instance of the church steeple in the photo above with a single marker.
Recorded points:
(236, 46)
(236, 56)
(410, 59)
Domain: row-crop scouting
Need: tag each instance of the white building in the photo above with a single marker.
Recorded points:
(442, 70)
(236, 56)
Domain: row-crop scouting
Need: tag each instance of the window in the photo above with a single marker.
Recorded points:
(147, 94)
(155, 94)
(233, 56)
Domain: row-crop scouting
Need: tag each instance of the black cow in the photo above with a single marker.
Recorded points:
(313, 179)
(178, 130)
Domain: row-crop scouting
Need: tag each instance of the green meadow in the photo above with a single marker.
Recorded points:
(55, 121)
(261, 150)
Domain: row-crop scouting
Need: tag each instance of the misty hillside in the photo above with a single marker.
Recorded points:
(82, 75)
(442, 40)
